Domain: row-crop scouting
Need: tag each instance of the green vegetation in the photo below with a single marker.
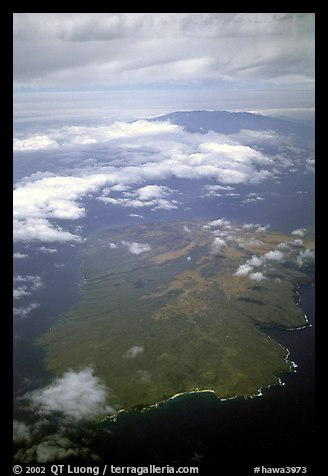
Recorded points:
(176, 318)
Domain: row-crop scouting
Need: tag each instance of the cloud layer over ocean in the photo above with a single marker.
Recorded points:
(139, 158)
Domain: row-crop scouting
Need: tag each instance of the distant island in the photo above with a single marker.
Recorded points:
(178, 307)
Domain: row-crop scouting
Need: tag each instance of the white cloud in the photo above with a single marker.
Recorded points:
(21, 291)
(37, 445)
(305, 258)
(262, 228)
(257, 137)
(23, 312)
(133, 352)
(40, 229)
(54, 448)
(77, 395)
(253, 242)
(219, 222)
(255, 261)
(217, 245)
(135, 215)
(243, 270)
(84, 135)
(215, 190)
(235, 153)
(217, 187)
(136, 248)
(21, 432)
(44, 249)
(30, 284)
(299, 232)
(256, 198)
(283, 246)
(20, 255)
(151, 191)
(55, 197)
(187, 229)
(257, 276)
(275, 255)
(249, 226)
(296, 243)
(34, 282)
(34, 142)
(148, 196)
(149, 152)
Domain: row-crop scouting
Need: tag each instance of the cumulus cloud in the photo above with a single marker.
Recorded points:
(305, 258)
(255, 261)
(219, 222)
(255, 198)
(259, 228)
(38, 444)
(34, 282)
(283, 246)
(262, 228)
(136, 248)
(23, 312)
(258, 276)
(53, 431)
(258, 137)
(187, 229)
(20, 255)
(36, 202)
(149, 152)
(135, 215)
(21, 291)
(34, 142)
(77, 395)
(83, 135)
(28, 284)
(215, 190)
(133, 352)
(152, 191)
(243, 270)
(217, 245)
(253, 242)
(21, 432)
(299, 232)
(275, 255)
(296, 243)
(153, 196)
(55, 447)
(44, 249)
(40, 229)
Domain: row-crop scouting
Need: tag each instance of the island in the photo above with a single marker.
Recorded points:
(170, 308)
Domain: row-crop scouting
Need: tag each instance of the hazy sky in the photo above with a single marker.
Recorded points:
(166, 53)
